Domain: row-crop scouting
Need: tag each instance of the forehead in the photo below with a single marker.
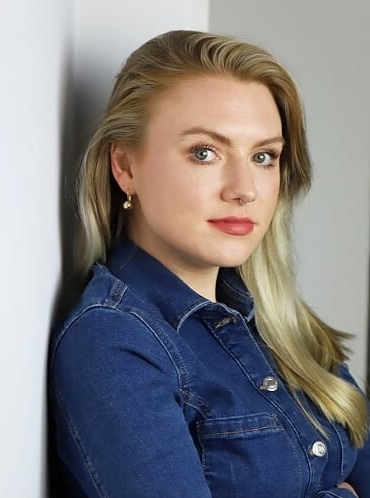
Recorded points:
(212, 100)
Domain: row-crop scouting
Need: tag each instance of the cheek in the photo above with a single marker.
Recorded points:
(269, 191)
(161, 189)
(275, 184)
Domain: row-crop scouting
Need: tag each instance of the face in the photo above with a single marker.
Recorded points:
(205, 183)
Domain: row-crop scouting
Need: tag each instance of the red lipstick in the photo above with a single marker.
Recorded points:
(234, 225)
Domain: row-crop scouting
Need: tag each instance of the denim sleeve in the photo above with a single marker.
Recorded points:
(120, 425)
(360, 475)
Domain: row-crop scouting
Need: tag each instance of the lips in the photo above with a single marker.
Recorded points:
(233, 225)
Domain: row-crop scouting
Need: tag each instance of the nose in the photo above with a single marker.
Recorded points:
(239, 184)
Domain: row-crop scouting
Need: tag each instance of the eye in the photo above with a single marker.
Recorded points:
(203, 154)
(265, 158)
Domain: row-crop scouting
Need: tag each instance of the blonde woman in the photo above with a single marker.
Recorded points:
(190, 367)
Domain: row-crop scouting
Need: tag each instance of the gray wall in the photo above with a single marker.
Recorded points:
(326, 44)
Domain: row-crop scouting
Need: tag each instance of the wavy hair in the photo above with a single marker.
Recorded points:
(307, 351)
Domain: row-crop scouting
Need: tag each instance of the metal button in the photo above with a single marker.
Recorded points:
(270, 383)
(318, 449)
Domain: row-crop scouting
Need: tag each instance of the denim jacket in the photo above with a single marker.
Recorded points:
(157, 392)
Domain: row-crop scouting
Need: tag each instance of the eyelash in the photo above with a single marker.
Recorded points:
(273, 153)
(199, 147)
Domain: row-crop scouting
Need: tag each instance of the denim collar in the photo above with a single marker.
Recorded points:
(153, 283)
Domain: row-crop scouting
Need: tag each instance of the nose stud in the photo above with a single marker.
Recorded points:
(242, 201)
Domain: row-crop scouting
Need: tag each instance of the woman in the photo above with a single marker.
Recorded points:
(190, 367)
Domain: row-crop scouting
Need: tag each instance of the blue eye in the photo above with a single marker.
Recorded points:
(265, 158)
(203, 154)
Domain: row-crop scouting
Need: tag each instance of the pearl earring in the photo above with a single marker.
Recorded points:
(127, 205)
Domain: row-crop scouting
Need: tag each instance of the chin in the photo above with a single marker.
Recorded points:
(234, 261)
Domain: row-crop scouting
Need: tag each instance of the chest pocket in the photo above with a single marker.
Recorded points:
(248, 457)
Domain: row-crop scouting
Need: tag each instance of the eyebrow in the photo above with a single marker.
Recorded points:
(225, 140)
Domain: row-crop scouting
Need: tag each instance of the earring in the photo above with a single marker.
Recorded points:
(127, 205)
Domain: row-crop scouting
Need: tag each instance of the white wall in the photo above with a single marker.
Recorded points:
(40, 86)
(34, 49)
(327, 47)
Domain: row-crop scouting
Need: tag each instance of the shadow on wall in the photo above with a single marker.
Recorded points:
(76, 128)
(79, 122)
(67, 290)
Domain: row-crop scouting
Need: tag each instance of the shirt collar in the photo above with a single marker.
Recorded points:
(157, 286)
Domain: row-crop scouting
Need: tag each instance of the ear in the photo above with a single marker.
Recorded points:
(121, 167)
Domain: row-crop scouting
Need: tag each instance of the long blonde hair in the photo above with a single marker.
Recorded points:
(307, 351)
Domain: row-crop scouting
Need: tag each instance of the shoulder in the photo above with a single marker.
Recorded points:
(110, 319)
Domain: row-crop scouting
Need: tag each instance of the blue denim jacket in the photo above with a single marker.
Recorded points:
(157, 392)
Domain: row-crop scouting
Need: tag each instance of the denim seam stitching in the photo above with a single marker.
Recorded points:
(202, 407)
(177, 361)
(79, 444)
(342, 464)
(116, 294)
(240, 431)
(171, 351)
(241, 366)
(74, 320)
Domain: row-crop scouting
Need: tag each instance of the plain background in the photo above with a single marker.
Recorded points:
(326, 45)
(59, 60)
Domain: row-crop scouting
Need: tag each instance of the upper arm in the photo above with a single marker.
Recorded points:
(120, 423)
